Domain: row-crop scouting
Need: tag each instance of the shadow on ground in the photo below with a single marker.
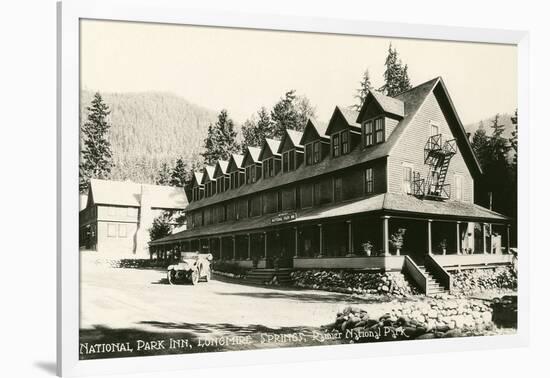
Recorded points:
(196, 334)
(309, 296)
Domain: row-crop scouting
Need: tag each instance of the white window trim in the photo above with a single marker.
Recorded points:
(461, 177)
(411, 166)
(436, 124)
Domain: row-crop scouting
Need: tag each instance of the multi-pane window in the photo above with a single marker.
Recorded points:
(111, 230)
(379, 130)
(289, 161)
(227, 182)
(122, 232)
(459, 187)
(269, 167)
(340, 143)
(270, 202)
(369, 181)
(337, 189)
(434, 129)
(313, 153)
(306, 195)
(254, 208)
(234, 180)
(345, 142)
(220, 185)
(368, 137)
(309, 154)
(336, 145)
(250, 174)
(288, 199)
(407, 179)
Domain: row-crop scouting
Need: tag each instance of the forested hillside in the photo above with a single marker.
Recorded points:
(505, 119)
(151, 128)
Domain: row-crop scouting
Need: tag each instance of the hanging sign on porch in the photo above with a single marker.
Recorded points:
(283, 217)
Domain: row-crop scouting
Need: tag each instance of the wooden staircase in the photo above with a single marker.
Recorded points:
(434, 286)
(269, 277)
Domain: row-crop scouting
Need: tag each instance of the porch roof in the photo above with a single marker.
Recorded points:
(387, 203)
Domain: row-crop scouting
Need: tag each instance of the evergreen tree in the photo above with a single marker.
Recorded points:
(499, 144)
(514, 139)
(220, 142)
(480, 145)
(180, 175)
(164, 175)
(364, 87)
(96, 157)
(256, 129)
(396, 75)
(161, 227)
(290, 112)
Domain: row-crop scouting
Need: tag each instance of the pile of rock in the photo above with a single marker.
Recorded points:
(361, 283)
(415, 320)
(471, 281)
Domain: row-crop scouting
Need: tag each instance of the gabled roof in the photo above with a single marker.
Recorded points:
(414, 99)
(208, 173)
(315, 127)
(126, 193)
(197, 177)
(291, 137)
(271, 146)
(389, 105)
(253, 154)
(220, 168)
(348, 116)
(235, 162)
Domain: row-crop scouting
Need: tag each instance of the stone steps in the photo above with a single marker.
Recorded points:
(266, 276)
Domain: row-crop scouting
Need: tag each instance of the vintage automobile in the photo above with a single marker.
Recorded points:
(192, 267)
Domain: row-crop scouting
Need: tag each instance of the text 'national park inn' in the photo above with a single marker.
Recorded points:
(340, 195)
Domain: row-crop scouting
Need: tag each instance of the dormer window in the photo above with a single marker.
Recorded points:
(269, 167)
(220, 185)
(313, 153)
(336, 145)
(289, 161)
(373, 131)
(340, 143)
(250, 173)
(234, 180)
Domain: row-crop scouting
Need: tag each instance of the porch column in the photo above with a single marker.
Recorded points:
(221, 247)
(248, 238)
(265, 245)
(234, 247)
(350, 237)
(484, 233)
(508, 239)
(385, 235)
(458, 238)
(430, 237)
(295, 241)
(320, 239)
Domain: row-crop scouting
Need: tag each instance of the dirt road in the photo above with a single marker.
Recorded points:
(119, 305)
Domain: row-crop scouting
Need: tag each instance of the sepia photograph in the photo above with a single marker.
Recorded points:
(246, 189)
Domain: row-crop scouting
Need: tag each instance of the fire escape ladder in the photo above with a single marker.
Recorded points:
(437, 156)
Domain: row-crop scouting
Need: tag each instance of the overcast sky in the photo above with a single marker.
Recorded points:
(242, 70)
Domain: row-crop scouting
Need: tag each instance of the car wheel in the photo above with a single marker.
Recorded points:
(194, 277)
(208, 275)
(172, 277)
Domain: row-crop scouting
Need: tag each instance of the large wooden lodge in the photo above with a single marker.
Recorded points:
(315, 199)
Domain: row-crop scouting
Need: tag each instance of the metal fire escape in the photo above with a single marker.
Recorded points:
(437, 156)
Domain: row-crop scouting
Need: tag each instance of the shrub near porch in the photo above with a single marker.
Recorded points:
(389, 283)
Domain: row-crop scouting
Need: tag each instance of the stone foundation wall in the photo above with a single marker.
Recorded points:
(415, 320)
(472, 281)
(362, 283)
